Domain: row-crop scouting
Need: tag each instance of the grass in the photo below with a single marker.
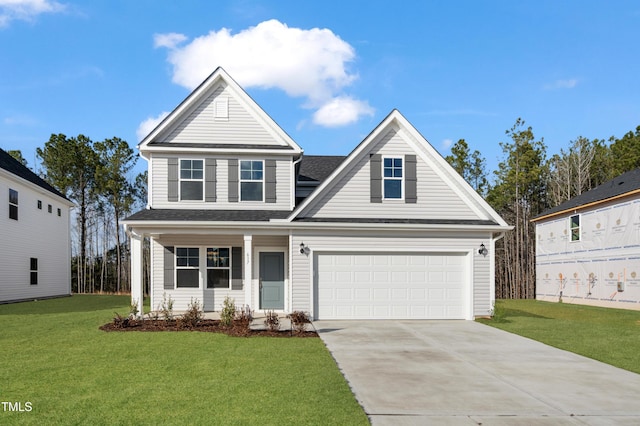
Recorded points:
(53, 356)
(608, 335)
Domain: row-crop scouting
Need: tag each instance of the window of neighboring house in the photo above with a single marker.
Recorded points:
(187, 267)
(13, 204)
(218, 267)
(34, 271)
(574, 227)
(59, 212)
(251, 180)
(191, 179)
(49, 208)
(392, 178)
(39, 204)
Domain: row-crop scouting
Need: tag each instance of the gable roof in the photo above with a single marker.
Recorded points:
(196, 97)
(626, 184)
(316, 168)
(13, 166)
(425, 151)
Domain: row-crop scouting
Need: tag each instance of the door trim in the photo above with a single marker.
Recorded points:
(255, 281)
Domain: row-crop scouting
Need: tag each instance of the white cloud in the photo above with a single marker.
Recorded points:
(446, 143)
(308, 63)
(562, 84)
(341, 111)
(26, 10)
(149, 124)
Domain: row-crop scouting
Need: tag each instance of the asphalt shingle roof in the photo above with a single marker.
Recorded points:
(316, 168)
(13, 166)
(208, 215)
(626, 182)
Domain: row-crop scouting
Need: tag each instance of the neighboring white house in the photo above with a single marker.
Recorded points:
(235, 209)
(588, 248)
(35, 259)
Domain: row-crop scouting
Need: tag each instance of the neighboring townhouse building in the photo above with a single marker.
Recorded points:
(35, 247)
(235, 209)
(588, 248)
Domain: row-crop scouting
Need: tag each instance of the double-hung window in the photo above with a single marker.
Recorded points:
(574, 227)
(33, 271)
(392, 177)
(218, 267)
(191, 179)
(251, 180)
(13, 204)
(187, 267)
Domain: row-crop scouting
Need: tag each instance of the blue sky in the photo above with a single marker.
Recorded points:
(327, 72)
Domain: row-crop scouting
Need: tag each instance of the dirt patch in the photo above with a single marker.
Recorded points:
(208, 326)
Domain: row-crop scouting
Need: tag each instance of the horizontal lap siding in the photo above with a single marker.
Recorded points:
(350, 197)
(302, 263)
(159, 198)
(39, 234)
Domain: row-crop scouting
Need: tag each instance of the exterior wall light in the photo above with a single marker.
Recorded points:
(483, 250)
(302, 248)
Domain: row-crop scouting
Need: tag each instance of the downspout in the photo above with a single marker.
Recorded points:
(492, 269)
(294, 180)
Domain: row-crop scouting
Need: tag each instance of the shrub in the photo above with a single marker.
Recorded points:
(242, 321)
(133, 309)
(167, 307)
(299, 321)
(272, 321)
(228, 312)
(193, 315)
(499, 312)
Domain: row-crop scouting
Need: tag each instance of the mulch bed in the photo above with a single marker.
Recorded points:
(209, 326)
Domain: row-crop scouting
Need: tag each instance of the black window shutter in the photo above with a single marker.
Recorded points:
(233, 181)
(410, 179)
(168, 267)
(172, 183)
(236, 268)
(375, 162)
(210, 180)
(270, 181)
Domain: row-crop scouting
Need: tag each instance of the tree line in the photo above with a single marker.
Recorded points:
(527, 182)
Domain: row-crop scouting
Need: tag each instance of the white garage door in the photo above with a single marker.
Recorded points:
(391, 286)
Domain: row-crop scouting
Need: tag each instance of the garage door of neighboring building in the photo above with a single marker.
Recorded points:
(391, 286)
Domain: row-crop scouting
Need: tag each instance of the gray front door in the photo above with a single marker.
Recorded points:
(271, 280)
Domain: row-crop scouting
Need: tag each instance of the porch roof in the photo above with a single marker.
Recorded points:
(208, 215)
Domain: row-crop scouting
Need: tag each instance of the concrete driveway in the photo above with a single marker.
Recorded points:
(466, 373)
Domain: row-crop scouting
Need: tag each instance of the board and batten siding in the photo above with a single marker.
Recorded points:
(159, 185)
(302, 267)
(200, 125)
(38, 234)
(351, 195)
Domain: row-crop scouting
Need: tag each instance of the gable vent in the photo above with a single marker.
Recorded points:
(221, 109)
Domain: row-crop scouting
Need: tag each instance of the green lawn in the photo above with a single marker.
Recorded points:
(53, 356)
(608, 335)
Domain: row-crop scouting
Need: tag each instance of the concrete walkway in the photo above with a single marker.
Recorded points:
(466, 373)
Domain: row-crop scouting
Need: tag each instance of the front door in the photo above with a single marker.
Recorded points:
(271, 280)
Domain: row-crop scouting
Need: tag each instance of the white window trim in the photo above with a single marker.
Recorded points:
(207, 267)
(176, 267)
(240, 180)
(579, 227)
(402, 182)
(180, 179)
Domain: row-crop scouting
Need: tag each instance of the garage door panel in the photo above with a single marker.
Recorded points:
(393, 286)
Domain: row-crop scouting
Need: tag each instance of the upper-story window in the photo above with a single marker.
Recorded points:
(13, 204)
(392, 178)
(251, 180)
(574, 227)
(191, 179)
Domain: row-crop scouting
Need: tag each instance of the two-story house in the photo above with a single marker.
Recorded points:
(235, 209)
(35, 246)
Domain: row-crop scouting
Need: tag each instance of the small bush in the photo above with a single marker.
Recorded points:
(499, 312)
(228, 312)
(299, 321)
(167, 307)
(193, 315)
(242, 321)
(272, 321)
(133, 310)
(122, 322)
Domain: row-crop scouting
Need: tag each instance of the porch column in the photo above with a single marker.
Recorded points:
(137, 282)
(248, 270)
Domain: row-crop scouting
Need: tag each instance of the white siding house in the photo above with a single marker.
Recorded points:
(588, 248)
(35, 260)
(235, 209)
